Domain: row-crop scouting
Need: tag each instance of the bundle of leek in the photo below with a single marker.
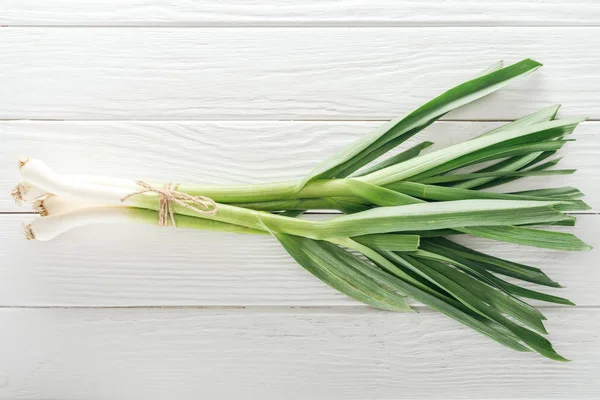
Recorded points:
(398, 212)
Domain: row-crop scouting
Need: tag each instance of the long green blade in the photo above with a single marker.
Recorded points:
(566, 192)
(498, 141)
(378, 195)
(398, 158)
(471, 266)
(428, 216)
(453, 281)
(529, 237)
(343, 271)
(360, 161)
(322, 203)
(510, 165)
(390, 241)
(499, 265)
(444, 193)
(447, 306)
(348, 207)
(450, 307)
(516, 164)
(543, 115)
(476, 175)
(488, 292)
(366, 158)
(529, 168)
(406, 127)
(490, 154)
(532, 294)
(487, 287)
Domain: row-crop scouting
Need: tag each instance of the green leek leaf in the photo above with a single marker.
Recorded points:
(481, 273)
(343, 271)
(566, 192)
(476, 175)
(529, 237)
(398, 158)
(488, 292)
(507, 143)
(428, 216)
(444, 193)
(453, 282)
(389, 241)
(499, 265)
(405, 127)
(439, 302)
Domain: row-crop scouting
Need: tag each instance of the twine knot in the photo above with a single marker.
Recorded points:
(169, 195)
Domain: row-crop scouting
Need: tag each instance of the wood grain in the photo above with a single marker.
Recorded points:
(238, 151)
(147, 85)
(285, 73)
(119, 265)
(299, 13)
(291, 354)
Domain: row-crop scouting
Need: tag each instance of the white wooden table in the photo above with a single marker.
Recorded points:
(240, 91)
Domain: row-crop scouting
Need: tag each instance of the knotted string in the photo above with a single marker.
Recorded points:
(169, 195)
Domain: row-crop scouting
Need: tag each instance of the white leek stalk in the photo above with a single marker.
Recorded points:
(25, 192)
(51, 226)
(52, 205)
(60, 215)
(39, 174)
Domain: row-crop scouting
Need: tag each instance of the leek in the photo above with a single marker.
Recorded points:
(390, 242)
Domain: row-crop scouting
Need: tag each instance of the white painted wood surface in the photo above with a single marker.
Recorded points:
(151, 88)
(299, 13)
(282, 354)
(285, 73)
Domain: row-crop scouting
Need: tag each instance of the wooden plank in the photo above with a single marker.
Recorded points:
(120, 265)
(284, 73)
(299, 13)
(291, 354)
(238, 151)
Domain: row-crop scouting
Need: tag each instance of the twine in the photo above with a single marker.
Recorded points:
(169, 195)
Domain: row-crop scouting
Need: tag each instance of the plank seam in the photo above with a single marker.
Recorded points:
(309, 25)
(246, 119)
(418, 307)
